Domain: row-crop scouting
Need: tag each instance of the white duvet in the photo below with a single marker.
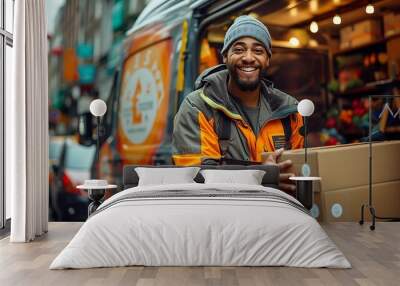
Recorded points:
(183, 231)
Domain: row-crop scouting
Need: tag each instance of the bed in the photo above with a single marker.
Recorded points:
(201, 224)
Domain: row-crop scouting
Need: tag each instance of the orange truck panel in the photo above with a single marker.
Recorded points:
(144, 101)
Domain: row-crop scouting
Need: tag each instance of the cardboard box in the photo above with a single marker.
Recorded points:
(344, 170)
(365, 32)
(391, 24)
(345, 37)
(385, 199)
(345, 33)
(364, 39)
(370, 26)
(346, 166)
(345, 45)
(360, 33)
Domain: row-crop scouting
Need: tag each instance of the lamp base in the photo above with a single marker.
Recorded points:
(96, 195)
(304, 190)
(96, 192)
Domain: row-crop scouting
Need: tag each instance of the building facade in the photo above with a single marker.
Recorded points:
(84, 51)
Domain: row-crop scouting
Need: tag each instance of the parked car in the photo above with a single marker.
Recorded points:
(70, 165)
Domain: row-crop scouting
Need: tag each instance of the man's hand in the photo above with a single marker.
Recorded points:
(284, 183)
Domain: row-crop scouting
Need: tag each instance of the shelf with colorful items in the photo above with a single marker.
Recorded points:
(355, 74)
(376, 87)
(346, 125)
(350, 124)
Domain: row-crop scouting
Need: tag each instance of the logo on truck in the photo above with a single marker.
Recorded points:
(141, 96)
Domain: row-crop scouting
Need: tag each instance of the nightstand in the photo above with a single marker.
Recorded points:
(96, 190)
(304, 190)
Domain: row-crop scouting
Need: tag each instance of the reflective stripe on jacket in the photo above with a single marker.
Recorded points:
(195, 137)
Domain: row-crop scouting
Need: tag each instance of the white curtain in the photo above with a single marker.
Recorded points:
(27, 124)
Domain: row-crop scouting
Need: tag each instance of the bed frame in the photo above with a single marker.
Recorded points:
(130, 178)
(270, 179)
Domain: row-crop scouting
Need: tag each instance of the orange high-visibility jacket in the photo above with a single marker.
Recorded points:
(195, 137)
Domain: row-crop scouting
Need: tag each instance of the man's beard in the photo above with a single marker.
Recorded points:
(245, 85)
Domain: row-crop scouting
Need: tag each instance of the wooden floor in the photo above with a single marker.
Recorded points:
(375, 257)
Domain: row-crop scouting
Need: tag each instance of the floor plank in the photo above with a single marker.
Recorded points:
(375, 257)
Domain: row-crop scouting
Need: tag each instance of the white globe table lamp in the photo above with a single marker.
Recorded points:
(98, 108)
(306, 109)
(96, 188)
(304, 191)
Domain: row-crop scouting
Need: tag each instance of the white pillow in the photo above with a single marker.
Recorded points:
(166, 176)
(248, 177)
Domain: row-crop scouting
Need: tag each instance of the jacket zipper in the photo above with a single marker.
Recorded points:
(278, 117)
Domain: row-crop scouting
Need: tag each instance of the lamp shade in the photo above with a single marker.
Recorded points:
(305, 107)
(98, 107)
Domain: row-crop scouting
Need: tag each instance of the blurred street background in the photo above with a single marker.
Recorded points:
(85, 46)
(85, 40)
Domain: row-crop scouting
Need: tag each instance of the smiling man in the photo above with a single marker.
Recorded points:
(235, 113)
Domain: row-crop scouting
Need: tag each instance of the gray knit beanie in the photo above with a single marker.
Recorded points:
(247, 26)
